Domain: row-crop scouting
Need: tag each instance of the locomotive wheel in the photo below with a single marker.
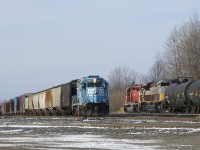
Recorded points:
(40, 113)
(95, 113)
(197, 109)
(47, 113)
(136, 109)
(187, 109)
(76, 112)
(169, 109)
(193, 110)
(100, 112)
(173, 110)
(89, 112)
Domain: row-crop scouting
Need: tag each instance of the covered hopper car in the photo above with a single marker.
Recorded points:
(52, 101)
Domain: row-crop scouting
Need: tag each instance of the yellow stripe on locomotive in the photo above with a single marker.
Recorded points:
(155, 92)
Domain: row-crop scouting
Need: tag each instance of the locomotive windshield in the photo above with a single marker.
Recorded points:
(94, 84)
(137, 88)
(165, 84)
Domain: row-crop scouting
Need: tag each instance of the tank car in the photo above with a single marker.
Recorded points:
(92, 96)
(183, 96)
(193, 94)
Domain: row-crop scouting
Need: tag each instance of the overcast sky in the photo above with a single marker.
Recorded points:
(48, 42)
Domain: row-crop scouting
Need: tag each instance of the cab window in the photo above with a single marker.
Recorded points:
(165, 84)
(105, 85)
(98, 85)
(90, 84)
(94, 85)
(83, 85)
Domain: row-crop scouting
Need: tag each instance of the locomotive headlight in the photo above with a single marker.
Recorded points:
(95, 80)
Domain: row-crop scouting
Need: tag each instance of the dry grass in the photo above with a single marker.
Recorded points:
(116, 100)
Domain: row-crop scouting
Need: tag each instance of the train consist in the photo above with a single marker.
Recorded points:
(178, 95)
(86, 96)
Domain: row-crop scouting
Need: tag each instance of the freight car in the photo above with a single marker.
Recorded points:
(147, 98)
(183, 96)
(14, 106)
(52, 101)
(88, 95)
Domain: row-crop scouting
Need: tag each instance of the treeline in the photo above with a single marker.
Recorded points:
(182, 51)
(180, 58)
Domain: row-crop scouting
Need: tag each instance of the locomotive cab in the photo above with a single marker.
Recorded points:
(92, 95)
(132, 98)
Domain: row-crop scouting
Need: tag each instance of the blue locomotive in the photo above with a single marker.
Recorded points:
(88, 96)
(92, 97)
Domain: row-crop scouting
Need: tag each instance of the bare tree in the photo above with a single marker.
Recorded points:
(156, 72)
(182, 51)
(119, 79)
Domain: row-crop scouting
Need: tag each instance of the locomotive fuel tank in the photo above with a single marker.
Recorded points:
(194, 93)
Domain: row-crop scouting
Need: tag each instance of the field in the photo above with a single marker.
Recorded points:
(112, 133)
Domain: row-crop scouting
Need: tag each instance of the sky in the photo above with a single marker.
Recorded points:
(50, 42)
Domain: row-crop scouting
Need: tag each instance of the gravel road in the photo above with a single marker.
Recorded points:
(111, 133)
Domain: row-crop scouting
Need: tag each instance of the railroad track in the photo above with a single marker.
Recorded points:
(155, 115)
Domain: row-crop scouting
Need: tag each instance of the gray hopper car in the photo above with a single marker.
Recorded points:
(53, 101)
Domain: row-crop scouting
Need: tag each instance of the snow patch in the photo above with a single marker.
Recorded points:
(79, 141)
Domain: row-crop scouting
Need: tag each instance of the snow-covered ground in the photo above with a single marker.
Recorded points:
(77, 142)
(97, 134)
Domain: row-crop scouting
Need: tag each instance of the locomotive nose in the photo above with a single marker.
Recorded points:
(96, 92)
